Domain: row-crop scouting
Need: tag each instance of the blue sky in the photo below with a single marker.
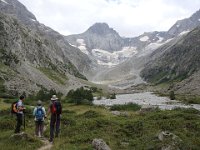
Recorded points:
(128, 17)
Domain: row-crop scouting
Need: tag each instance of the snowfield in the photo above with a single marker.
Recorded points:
(111, 59)
(82, 46)
(184, 32)
(4, 1)
(144, 38)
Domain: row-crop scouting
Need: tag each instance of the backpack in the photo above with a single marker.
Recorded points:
(39, 114)
(56, 108)
(14, 107)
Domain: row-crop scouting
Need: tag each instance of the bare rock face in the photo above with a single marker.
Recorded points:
(99, 144)
(27, 47)
(177, 63)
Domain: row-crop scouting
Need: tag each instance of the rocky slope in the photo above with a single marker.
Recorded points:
(33, 55)
(178, 63)
(19, 11)
(149, 46)
(106, 47)
(185, 25)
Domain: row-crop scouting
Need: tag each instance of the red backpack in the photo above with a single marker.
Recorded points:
(56, 108)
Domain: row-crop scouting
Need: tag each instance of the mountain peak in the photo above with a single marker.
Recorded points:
(101, 29)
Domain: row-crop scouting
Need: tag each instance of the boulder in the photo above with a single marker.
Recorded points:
(99, 144)
(147, 108)
(118, 113)
(171, 140)
(22, 136)
(165, 135)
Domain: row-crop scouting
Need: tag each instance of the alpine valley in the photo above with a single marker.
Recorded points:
(34, 55)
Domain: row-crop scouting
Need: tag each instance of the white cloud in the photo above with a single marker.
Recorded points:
(128, 17)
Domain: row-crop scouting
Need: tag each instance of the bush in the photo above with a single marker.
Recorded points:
(128, 107)
(172, 95)
(91, 114)
(7, 124)
(111, 96)
(80, 96)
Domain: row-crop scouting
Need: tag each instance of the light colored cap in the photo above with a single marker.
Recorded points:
(54, 97)
(39, 102)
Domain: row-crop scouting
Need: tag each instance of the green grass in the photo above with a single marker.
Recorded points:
(184, 98)
(188, 99)
(55, 76)
(80, 124)
(7, 126)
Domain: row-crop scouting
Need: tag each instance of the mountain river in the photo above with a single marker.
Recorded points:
(145, 99)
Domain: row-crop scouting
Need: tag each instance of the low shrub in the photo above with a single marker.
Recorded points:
(127, 107)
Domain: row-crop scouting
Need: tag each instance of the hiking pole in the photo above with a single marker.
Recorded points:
(24, 121)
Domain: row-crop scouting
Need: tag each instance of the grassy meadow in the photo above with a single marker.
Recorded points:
(80, 124)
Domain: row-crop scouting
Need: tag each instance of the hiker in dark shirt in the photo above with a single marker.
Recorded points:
(55, 109)
(19, 113)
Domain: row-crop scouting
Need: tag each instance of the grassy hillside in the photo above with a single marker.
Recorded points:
(80, 124)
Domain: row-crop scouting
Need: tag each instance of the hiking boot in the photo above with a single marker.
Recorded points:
(51, 140)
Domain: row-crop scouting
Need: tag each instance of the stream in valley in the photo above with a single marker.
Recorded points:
(145, 99)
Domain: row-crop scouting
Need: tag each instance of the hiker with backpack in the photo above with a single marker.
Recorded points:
(55, 109)
(39, 113)
(18, 108)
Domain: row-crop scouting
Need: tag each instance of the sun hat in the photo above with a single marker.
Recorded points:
(54, 98)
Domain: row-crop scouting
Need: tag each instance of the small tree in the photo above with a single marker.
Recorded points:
(172, 95)
(113, 96)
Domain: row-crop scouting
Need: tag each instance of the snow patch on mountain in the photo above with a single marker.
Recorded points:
(111, 59)
(160, 39)
(144, 38)
(152, 46)
(109, 64)
(4, 1)
(72, 45)
(82, 46)
(33, 20)
(184, 32)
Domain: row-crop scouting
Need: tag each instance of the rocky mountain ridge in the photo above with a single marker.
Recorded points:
(150, 46)
(176, 64)
(35, 56)
(104, 45)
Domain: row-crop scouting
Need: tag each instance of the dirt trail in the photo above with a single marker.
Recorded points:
(47, 145)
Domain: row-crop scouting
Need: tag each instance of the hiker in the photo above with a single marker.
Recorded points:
(55, 109)
(39, 113)
(20, 113)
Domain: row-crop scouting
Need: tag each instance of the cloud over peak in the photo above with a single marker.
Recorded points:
(128, 17)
